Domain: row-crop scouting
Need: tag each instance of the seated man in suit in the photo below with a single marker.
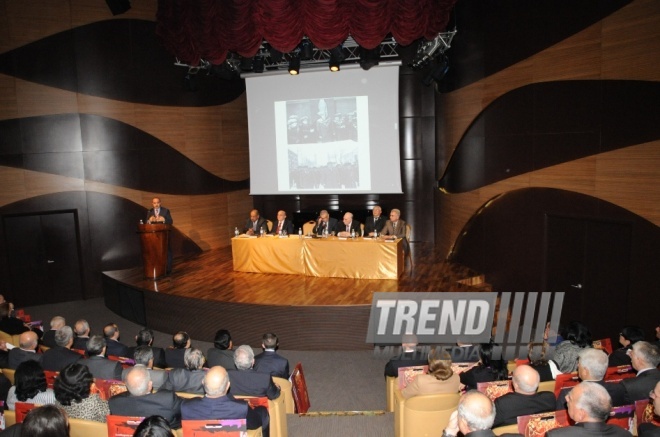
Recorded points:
(58, 357)
(245, 381)
(255, 224)
(221, 354)
(375, 223)
(408, 358)
(589, 405)
(269, 361)
(174, 356)
(474, 416)
(113, 346)
(98, 364)
(190, 378)
(26, 350)
(144, 357)
(145, 337)
(394, 227)
(325, 222)
(48, 338)
(81, 330)
(645, 359)
(217, 404)
(140, 401)
(349, 225)
(649, 429)
(526, 399)
(592, 366)
(282, 224)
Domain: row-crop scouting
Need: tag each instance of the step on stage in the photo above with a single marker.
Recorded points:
(204, 294)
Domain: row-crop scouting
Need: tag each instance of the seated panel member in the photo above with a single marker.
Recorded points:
(394, 227)
(325, 222)
(255, 223)
(375, 223)
(282, 224)
(344, 230)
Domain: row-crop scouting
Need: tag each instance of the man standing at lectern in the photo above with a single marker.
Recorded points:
(160, 214)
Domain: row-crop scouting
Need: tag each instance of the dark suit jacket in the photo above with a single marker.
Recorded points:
(220, 357)
(512, 405)
(184, 380)
(615, 389)
(406, 359)
(162, 403)
(252, 383)
(164, 212)
(13, 326)
(355, 226)
(332, 226)
(588, 428)
(272, 363)
(159, 355)
(58, 357)
(372, 224)
(476, 375)
(18, 355)
(80, 343)
(174, 358)
(48, 338)
(638, 388)
(286, 226)
(619, 357)
(158, 376)
(261, 223)
(648, 430)
(113, 347)
(225, 407)
(103, 368)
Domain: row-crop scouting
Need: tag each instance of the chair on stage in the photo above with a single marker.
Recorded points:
(308, 227)
(407, 249)
(270, 225)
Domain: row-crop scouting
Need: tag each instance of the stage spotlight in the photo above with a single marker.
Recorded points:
(258, 64)
(336, 58)
(369, 57)
(438, 71)
(306, 50)
(275, 55)
(246, 64)
(294, 65)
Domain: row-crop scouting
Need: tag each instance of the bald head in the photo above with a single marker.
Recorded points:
(138, 381)
(28, 341)
(526, 380)
(475, 412)
(216, 382)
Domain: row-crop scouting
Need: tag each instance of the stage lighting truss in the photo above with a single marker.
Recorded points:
(429, 50)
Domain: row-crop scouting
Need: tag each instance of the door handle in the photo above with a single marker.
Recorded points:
(578, 286)
(50, 261)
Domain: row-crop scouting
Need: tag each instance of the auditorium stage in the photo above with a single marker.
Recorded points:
(204, 294)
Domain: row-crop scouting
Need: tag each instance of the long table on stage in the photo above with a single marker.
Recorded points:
(332, 257)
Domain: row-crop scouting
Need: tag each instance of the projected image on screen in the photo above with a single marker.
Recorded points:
(324, 141)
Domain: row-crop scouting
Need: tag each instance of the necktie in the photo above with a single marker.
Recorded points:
(156, 211)
(395, 226)
(254, 226)
(348, 228)
(279, 227)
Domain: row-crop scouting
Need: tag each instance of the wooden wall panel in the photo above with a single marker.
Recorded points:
(8, 104)
(33, 99)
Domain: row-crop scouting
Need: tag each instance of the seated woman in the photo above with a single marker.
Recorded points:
(628, 336)
(30, 386)
(487, 370)
(536, 354)
(577, 337)
(154, 426)
(73, 391)
(440, 379)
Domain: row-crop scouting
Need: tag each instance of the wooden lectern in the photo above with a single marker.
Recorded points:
(154, 239)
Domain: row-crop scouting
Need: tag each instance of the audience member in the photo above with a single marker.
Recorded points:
(217, 404)
(440, 379)
(589, 406)
(282, 224)
(269, 361)
(4, 354)
(325, 222)
(473, 418)
(190, 378)
(140, 401)
(255, 224)
(9, 324)
(577, 338)
(221, 354)
(82, 330)
(44, 421)
(245, 381)
(488, 369)
(409, 357)
(537, 360)
(61, 355)
(113, 345)
(98, 364)
(29, 386)
(174, 356)
(645, 359)
(73, 391)
(153, 426)
(525, 399)
(628, 336)
(592, 367)
(26, 350)
(650, 429)
(374, 223)
(144, 357)
(657, 337)
(146, 338)
(349, 225)
(48, 339)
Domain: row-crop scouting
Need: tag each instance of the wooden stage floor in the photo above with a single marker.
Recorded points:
(204, 294)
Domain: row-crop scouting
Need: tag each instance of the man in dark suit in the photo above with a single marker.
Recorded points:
(410, 356)
(645, 359)
(144, 357)
(113, 346)
(282, 224)
(146, 338)
(649, 429)
(26, 350)
(474, 416)
(592, 366)
(81, 330)
(140, 401)
(189, 379)
(325, 222)
(375, 223)
(160, 214)
(174, 356)
(589, 405)
(10, 324)
(58, 357)
(221, 354)
(98, 364)
(245, 381)
(218, 404)
(526, 399)
(349, 225)
(269, 361)
(48, 338)
(255, 224)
